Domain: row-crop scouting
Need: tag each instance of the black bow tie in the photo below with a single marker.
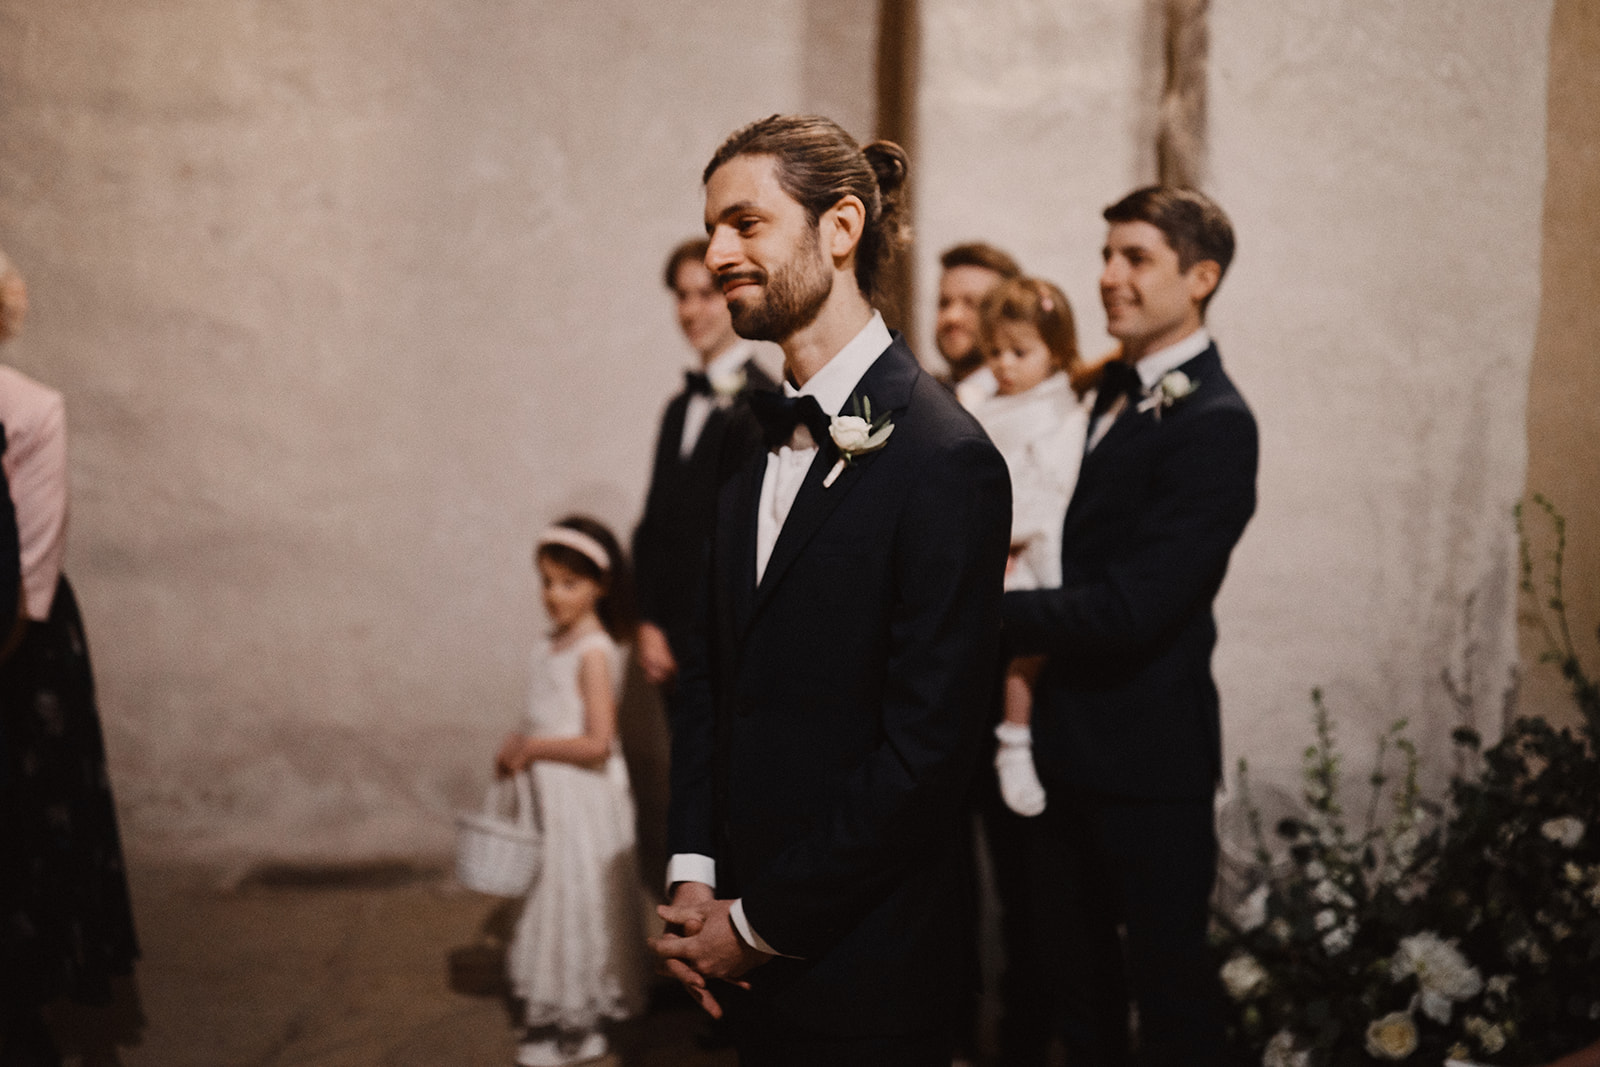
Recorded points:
(1117, 379)
(779, 414)
(696, 383)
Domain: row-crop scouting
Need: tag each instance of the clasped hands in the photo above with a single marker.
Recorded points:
(700, 943)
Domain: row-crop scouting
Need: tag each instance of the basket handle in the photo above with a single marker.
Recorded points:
(522, 789)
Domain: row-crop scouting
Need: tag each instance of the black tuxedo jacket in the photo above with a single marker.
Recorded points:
(1126, 705)
(671, 542)
(831, 718)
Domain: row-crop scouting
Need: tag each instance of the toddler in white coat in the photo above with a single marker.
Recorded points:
(1038, 419)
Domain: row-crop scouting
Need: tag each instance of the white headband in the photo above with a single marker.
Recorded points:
(578, 541)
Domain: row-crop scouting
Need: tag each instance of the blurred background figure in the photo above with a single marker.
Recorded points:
(970, 271)
(706, 427)
(66, 922)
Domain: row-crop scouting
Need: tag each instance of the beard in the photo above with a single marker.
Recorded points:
(792, 295)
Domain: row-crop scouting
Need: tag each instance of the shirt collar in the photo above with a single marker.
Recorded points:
(729, 359)
(1158, 363)
(833, 384)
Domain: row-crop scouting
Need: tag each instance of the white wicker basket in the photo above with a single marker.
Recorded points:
(496, 854)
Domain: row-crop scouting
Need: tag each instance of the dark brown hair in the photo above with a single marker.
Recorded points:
(1193, 224)
(819, 164)
(615, 606)
(692, 249)
(980, 254)
(1043, 306)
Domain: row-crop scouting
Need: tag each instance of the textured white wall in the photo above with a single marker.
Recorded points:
(1384, 164)
(1031, 118)
(347, 300)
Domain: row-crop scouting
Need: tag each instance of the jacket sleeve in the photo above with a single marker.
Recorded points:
(1173, 561)
(940, 682)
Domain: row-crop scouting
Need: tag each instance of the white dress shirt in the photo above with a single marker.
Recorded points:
(723, 370)
(35, 418)
(786, 470)
(1151, 369)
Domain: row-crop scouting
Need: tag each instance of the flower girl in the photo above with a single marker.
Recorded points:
(577, 957)
(1038, 419)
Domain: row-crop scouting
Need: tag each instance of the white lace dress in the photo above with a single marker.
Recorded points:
(578, 954)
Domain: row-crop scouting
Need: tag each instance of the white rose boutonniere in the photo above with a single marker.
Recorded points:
(724, 387)
(1173, 387)
(856, 435)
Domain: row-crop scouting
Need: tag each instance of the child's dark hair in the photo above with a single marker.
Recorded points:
(1038, 303)
(615, 606)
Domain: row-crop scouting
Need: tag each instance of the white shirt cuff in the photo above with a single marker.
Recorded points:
(691, 867)
(751, 938)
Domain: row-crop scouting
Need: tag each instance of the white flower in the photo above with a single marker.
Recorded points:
(1173, 387)
(1393, 1037)
(856, 435)
(1336, 941)
(1252, 910)
(1280, 930)
(1327, 919)
(1499, 985)
(1572, 873)
(1281, 1052)
(1243, 976)
(729, 385)
(1440, 968)
(1435, 1005)
(1490, 1037)
(1326, 892)
(1316, 871)
(1566, 831)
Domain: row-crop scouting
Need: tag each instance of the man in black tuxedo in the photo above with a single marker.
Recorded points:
(707, 428)
(834, 711)
(1127, 734)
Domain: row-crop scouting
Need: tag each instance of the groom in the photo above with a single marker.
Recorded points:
(834, 704)
(1127, 737)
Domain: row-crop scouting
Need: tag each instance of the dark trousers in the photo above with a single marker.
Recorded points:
(1024, 1031)
(1148, 867)
(764, 1039)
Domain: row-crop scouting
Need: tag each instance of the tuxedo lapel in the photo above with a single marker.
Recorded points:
(740, 566)
(887, 384)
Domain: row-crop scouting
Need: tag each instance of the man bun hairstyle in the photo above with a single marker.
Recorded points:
(692, 249)
(819, 164)
(1193, 224)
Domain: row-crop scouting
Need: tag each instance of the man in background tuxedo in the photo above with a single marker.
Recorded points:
(833, 711)
(706, 427)
(967, 273)
(1127, 733)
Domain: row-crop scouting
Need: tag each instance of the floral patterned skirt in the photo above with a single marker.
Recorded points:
(66, 921)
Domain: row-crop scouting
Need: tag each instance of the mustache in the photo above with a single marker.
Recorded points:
(759, 277)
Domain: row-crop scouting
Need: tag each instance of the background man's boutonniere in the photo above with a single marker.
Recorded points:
(856, 435)
(724, 387)
(1173, 387)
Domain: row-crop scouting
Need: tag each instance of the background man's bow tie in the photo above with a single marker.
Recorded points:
(1118, 380)
(695, 383)
(780, 414)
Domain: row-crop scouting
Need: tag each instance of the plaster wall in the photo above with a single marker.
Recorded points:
(1384, 164)
(1031, 117)
(348, 300)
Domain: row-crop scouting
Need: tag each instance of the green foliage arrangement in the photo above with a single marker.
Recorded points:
(1426, 935)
